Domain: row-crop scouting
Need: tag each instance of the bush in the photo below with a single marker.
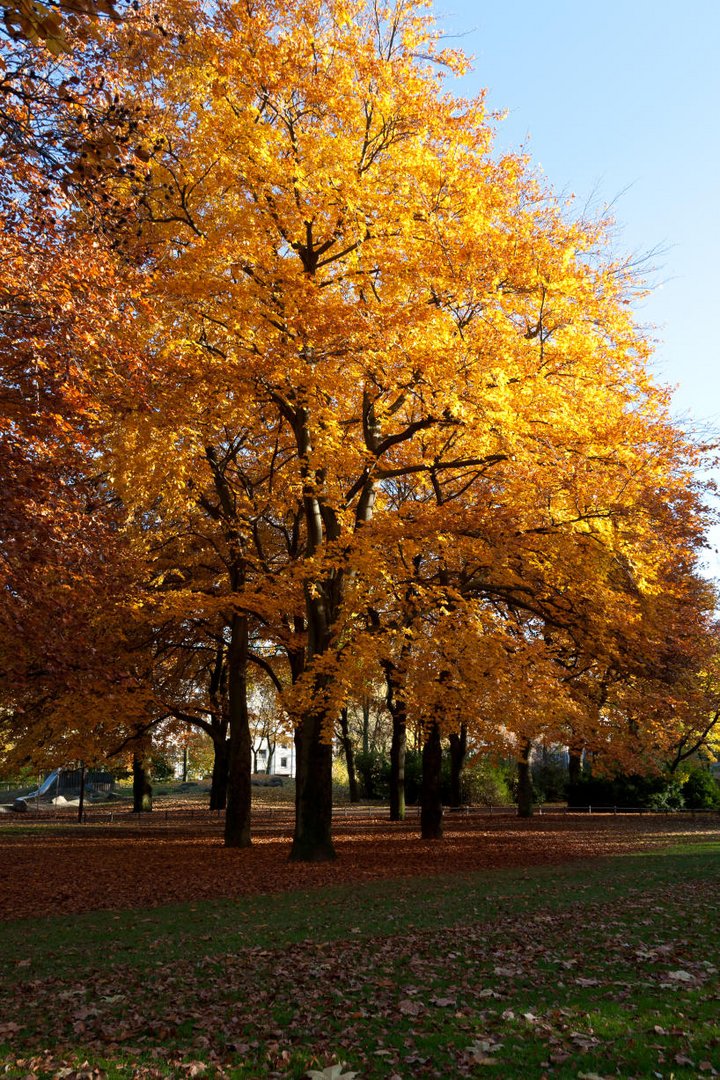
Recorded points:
(485, 783)
(340, 780)
(701, 791)
(413, 777)
(634, 792)
(670, 797)
(550, 781)
(162, 768)
(373, 774)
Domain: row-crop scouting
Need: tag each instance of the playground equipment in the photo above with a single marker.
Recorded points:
(67, 782)
(53, 780)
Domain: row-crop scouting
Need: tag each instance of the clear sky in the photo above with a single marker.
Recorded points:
(619, 102)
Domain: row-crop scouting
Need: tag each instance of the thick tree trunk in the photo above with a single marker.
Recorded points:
(312, 841)
(218, 784)
(525, 797)
(458, 750)
(575, 765)
(349, 757)
(398, 748)
(431, 801)
(237, 815)
(142, 785)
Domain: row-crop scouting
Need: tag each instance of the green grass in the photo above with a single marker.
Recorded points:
(610, 967)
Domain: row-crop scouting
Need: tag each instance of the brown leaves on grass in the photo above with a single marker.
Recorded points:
(387, 1004)
(87, 869)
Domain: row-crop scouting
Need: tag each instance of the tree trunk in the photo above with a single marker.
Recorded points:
(525, 795)
(312, 841)
(349, 757)
(218, 784)
(142, 785)
(575, 765)
(458, 750)
(366, 727)
(398, 748)
(237, 815)
(431, 800)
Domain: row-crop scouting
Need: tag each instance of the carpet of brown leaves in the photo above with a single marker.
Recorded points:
(166, 860)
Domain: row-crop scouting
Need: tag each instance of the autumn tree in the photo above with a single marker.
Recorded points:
(366, 341)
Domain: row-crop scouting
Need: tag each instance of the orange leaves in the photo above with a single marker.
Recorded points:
(362, 381)
(42, 24)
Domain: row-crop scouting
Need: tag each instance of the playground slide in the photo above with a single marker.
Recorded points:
(44, 787)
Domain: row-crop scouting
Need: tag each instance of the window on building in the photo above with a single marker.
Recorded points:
(283, 763)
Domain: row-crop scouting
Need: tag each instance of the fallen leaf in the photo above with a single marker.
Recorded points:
(332, 1072)
(410, 1008)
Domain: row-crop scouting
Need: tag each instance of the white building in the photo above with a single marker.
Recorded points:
(282, 758)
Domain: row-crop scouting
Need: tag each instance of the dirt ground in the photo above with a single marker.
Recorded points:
(62, 869)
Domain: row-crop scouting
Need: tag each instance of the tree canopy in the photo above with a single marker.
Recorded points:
(366, 396)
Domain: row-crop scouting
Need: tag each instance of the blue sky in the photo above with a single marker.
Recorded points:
(620, 103)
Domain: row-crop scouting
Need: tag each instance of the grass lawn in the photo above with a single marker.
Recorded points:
(590, 969)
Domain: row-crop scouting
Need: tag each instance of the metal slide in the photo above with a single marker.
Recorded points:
(43, 789)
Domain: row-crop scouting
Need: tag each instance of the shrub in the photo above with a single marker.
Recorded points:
(413, 777)
(162, 767)
(701, 791)
(550, 781)
(373, 773)
(340, 780)
(656, 792)
(485, 783)
(670, 797)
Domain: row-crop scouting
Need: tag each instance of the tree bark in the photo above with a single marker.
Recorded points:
(458, 750)
(366, 726)
(525, 797)
(575, 765)
(237, 815)
(312, 841)
(398, 746)
(218, 784)
(349, 756)
(142, 785)
(398, 749)
(431, 811)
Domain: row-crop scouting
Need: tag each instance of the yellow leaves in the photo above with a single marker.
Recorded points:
(37, 23)
(366, 364)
